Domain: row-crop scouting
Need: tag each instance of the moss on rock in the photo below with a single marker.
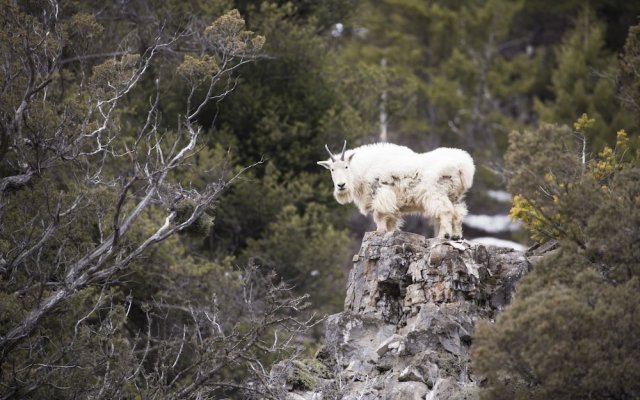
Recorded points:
(301, 378)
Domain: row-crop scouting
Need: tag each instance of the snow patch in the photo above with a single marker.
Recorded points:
(337, 30)
(500, 195)
(491, 241)
(491, 223)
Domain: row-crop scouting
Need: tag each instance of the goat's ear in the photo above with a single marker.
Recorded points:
(325, 164)
(351, 156)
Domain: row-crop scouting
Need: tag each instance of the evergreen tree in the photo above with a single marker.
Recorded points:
(568, 335)
(571, 332)
(583, 81)
(629, 76)
(101, 295)
(288, 105)
(450, 72)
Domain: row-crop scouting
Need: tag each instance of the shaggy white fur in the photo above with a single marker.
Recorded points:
(387, 180)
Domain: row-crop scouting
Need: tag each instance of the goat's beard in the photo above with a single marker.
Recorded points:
(343, 196)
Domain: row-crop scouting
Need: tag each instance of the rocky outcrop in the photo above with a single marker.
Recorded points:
(410, 310)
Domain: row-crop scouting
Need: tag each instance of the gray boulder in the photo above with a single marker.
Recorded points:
(410, 310)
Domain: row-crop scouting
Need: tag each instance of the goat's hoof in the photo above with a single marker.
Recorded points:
(446, 236)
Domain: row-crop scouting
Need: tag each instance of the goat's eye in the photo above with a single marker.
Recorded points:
(346, 167)
(331, 169)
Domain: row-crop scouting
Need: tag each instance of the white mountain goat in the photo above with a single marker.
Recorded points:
(388, 180)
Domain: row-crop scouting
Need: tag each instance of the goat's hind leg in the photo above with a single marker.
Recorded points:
(441, 210)
(435, 223)
(459, 212)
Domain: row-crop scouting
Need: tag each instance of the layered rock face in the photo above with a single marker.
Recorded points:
(410, 310)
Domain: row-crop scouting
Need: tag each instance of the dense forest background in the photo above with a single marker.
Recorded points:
(165, 231)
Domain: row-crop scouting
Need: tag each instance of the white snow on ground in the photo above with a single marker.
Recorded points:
(491, 241)
(337, 30)
(500, 195)
(491, 223)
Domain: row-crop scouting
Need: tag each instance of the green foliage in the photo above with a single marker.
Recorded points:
(291, 103)
(444, 68)
(306, 250)
(201, 226)
(81, 30)
(455, 70)
(629, 75)
(559, 194)
(197, 69)
(256, 200)
(568, 335)
(571, 332)
(285, 108)
(114, 74)
(547, 154)
(228, 32)
(89, 179)
(301, 378)
(583, 82)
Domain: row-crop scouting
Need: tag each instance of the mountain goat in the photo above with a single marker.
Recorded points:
(388, 180)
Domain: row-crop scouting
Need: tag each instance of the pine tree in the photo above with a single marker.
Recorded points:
(571, 332)
(289, 105)
(583, 81)
(450, 73)
(101, 292)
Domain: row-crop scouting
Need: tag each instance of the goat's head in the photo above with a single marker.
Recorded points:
(340, 173)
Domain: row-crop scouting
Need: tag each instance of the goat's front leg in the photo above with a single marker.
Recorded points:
(386, 222)
(381, 221)
(386, 213)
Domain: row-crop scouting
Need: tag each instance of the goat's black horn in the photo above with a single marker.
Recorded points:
(344, 147)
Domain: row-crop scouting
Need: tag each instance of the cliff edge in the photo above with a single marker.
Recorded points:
(408, 321)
